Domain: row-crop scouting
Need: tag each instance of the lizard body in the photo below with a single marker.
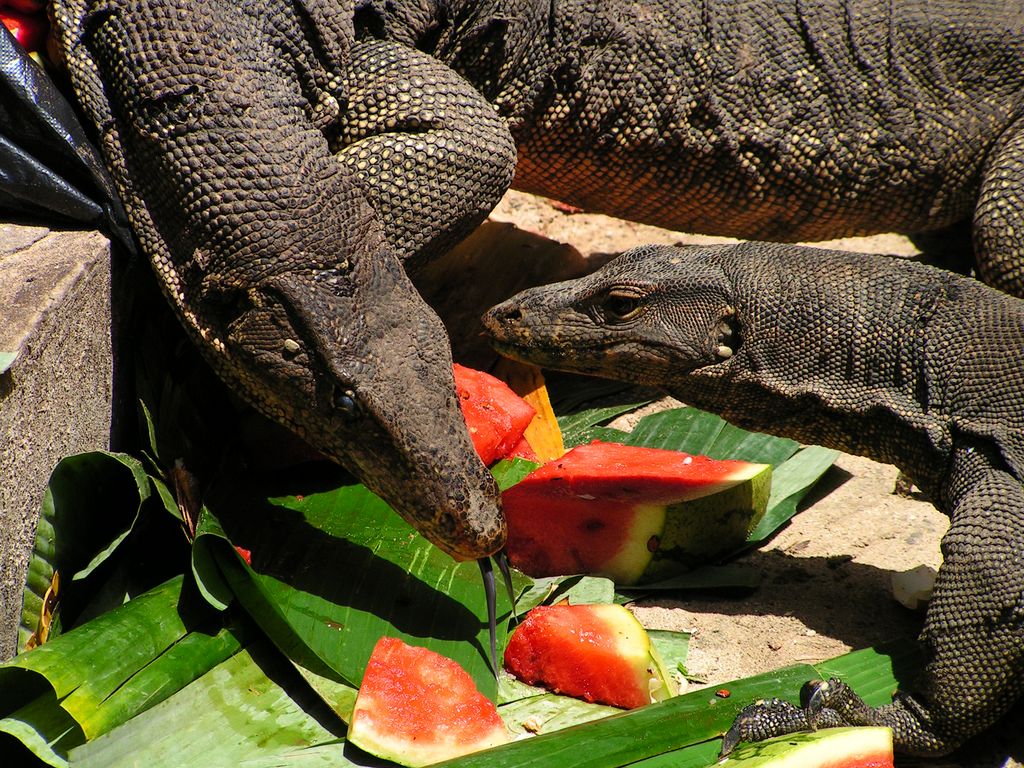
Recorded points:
(784, 121)
(898, 361)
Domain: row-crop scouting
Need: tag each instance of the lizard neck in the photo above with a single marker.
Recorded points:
(824, 363)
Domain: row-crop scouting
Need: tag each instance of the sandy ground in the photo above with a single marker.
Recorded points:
(826, 585)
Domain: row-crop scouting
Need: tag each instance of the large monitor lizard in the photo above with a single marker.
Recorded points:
(781, 120)
(281, 161)
(233, 131)
(898, 361)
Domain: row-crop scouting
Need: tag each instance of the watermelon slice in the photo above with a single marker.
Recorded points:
(28, 29)
(543, 433)
(599, 653)
(866, 747)
(632, 514)
(523, 450)
(495, 415)
(416, 707)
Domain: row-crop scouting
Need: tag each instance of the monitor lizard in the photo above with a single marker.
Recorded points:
(895, 360)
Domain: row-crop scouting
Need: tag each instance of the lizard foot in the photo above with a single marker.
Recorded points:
(823, 704)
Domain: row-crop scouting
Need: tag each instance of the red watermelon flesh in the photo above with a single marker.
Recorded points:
(599, 653)
(631, 513)
(523, 450)
(416, 707)
(495, 415)
(29, 29)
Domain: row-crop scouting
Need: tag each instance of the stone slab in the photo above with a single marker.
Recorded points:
(56, 393)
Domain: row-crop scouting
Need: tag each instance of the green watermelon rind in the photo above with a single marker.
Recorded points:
(704, 522)
(634, 557)
(663, 685)
(853, 747)
(700, 530)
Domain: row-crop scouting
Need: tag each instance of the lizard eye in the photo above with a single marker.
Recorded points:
(621, 304)
(344, 401)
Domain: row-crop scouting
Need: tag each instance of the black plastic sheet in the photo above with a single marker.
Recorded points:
(49, 169)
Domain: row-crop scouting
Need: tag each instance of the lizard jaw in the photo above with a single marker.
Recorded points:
(366, 377)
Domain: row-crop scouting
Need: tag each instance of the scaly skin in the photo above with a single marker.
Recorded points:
(223, 127)
(784, 120)
(279, 161)
(894, 360)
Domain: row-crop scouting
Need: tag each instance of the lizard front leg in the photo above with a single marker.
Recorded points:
(974, 628)
(973, 635)
(998, 226)
(432, 156)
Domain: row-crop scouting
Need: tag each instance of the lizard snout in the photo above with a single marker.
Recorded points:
(502, 317)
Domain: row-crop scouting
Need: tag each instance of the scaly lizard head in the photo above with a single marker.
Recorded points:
(355, 362)
(649, 316)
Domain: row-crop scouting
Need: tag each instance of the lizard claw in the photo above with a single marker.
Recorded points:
(814, 697)
(762, 720)
(832, 702)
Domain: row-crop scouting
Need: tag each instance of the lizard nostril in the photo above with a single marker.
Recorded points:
(512, 315)
(503, 314)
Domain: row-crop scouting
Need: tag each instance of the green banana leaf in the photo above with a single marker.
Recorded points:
(575, 424)
(791, 480)
(210, 538)
(549, 712)
(100, 675)
(590, 434)
(92, 504)
(686, 730)
(695, 431)
(572, 393)
(585, 590)
(334, 569)
(510, 471)
(252, 709)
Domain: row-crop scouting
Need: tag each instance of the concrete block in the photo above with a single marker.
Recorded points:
(56, 395)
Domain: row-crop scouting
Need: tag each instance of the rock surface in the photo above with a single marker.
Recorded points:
(56, 392)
